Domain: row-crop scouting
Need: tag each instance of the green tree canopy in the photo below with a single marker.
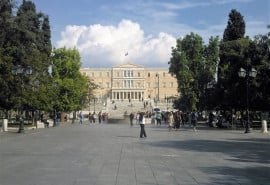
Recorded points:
(25, 41)
(7, 30)
(194, 66)
(69, 84)
(32, 48)
(236, 26)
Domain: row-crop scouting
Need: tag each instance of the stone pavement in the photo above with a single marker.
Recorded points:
(113, 154)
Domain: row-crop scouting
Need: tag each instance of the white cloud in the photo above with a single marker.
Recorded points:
(105, 46)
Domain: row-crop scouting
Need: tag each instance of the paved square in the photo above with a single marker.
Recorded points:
(113, 154)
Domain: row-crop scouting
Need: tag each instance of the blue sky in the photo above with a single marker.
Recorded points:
(104, 30)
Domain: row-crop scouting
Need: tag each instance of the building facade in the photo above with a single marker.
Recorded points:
(132, 82)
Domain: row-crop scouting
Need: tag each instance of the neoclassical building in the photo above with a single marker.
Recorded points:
(132, 82)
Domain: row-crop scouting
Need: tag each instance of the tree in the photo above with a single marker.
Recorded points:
(235, 27)
(260, 52)
(232, 57)
(194, 66)
(32, 48)
(68, 83)
(208, 74)
(6, 27)
(25, 41)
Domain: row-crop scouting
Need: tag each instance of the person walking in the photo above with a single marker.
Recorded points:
(170, 121)
(194, 118)
(99, 117)
(142, 125)
(131, 117)
(81, 117)
(177, 120)
(138, 118)
(94, 117)
(158, 118)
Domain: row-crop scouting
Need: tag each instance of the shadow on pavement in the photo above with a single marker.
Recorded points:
(248, 150)
(260, 175)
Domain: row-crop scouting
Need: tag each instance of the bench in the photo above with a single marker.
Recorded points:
(44, 124)
(258, 124)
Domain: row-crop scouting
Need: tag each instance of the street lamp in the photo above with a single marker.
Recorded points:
(166, 99)
(94, 104)
(247, 74)
(20, 71)
(157, 75)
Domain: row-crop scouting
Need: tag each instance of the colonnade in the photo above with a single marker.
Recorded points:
(127, 95)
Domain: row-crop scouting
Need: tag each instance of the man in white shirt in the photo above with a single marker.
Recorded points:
(142, 124)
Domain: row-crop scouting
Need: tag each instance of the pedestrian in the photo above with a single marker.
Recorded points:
(170, 121)
(99, 117)
(194, 118)
(90, 117)
(158, 118)
(81, 117)
(131, 117)
(142, 125)
(138, 118)
(94, 117)
(177, 120)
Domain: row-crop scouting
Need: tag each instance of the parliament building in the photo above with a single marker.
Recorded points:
(132, 82)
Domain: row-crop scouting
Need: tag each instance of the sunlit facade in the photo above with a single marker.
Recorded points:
(132, 82)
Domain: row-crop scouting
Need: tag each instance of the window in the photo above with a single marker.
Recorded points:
(128, 83)
(108, 84)
(148, 84)
(100, 74)
(164, 84)
(139, 74)
(171, 84)
(128, 73)
(108, 74)
(164, 74)
(93, 74)
(118, 74)
(148, 74)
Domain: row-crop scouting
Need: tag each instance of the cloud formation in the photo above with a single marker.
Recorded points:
(106, 46)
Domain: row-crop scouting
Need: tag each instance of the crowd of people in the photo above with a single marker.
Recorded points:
(94, 117)
(173, 119)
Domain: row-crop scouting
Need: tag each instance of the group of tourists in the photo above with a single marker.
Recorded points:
(93, 117)
(174, 119)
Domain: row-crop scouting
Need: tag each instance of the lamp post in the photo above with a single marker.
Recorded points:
(247, 74)
(20, 71)
(166, 99)
(157, 75)
(94, 104)
(54, 86)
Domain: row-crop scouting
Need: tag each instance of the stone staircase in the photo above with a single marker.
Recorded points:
(119, 110)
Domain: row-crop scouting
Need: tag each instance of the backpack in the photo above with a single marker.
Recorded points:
(158, 116)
